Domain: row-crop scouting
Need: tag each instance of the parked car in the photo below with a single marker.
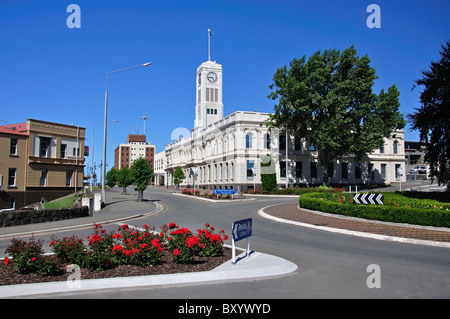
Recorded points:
(419, 169)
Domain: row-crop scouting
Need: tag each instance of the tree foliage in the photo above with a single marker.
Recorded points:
(432, 119)
(124, 178)
(142, 175)
(178, 176)
(111, 177)
(328, 99)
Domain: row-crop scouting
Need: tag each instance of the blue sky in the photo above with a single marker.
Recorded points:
(53, 73)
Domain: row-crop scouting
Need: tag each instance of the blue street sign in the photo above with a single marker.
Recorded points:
(242, 229)
(225, 191)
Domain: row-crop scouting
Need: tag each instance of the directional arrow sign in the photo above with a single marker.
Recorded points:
(379, 199)
(242, 229)
(363, 199)
(366, 199)
(356, 198)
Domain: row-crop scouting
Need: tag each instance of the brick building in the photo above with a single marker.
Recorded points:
(126, 154)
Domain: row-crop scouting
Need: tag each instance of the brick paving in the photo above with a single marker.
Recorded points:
(291, 212)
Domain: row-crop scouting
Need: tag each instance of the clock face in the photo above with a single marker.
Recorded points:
(212, 77)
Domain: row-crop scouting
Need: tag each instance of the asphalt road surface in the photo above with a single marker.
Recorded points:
(329, 265)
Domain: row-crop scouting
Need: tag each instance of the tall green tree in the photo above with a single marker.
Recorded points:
(124, 178)
(432, 118)
(111, 177)
(178, 176)
(142, 175)
(328, 100)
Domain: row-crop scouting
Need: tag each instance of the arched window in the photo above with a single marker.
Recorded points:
(248, 141)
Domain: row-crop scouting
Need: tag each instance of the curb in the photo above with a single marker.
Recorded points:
(257, 266)
(354, 233)
(213, 200)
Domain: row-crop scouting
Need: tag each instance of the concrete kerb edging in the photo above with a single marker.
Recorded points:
(257, 266)
(158, 209)
(213, 200)
(352, 232)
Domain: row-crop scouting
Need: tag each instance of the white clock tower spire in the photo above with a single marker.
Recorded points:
(209, 106)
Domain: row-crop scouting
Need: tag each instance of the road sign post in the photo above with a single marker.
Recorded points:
(241, 229)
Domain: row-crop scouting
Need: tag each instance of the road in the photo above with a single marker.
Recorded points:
(329, 265)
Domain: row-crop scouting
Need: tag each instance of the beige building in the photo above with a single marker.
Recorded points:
(39, 161)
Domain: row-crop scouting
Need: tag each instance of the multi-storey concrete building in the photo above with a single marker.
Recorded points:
(39, 161)
(226, 152)
(126, 154)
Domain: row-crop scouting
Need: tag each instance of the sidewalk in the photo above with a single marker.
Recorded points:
(291, 214)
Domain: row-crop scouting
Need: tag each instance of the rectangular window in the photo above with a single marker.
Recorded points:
(398, 174)
(382, 148)
(344, 170)
(44, 147)
(62, 152)
(216, 95)
(299, 169)
(199, 96)
(12, 177)
(395, 147)
(13, 146)
(282, 169)
(313, 170)
(249, 168)
(207, 111)
(43, 178)
(11, 203)
(297, 143)
(383, 171)
(207, 95)
(69, 175)
(330, 168)
(357, 170)
(371, 171)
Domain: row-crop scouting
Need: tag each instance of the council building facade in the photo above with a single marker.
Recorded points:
(226, 152)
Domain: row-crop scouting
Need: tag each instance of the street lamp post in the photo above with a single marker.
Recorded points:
(92, 153)
(105, 126)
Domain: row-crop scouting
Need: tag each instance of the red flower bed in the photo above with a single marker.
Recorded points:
(127, 246)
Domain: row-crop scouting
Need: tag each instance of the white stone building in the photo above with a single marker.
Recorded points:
(226, 152)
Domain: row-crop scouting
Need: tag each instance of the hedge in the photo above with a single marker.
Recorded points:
(15, 218)
(416, 216)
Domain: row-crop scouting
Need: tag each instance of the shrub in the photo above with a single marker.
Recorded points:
(212, 243)
(26, 256)
(70, 250)
(100, 254)
(390, 212)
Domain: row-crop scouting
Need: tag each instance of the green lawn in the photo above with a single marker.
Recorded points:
(60, 203)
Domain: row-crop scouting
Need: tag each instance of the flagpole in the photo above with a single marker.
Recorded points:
(209, 44)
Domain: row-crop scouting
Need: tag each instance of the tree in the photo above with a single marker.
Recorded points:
(178, 176)
(329, 101)
(268, 174)
(111, 177)
(124, 178)
(432, 119)
(142, 175)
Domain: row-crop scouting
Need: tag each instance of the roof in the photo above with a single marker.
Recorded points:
(16, 129)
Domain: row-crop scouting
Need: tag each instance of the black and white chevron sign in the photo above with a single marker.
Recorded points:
(366, 199)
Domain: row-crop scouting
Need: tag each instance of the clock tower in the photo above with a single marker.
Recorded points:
(209, 106)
